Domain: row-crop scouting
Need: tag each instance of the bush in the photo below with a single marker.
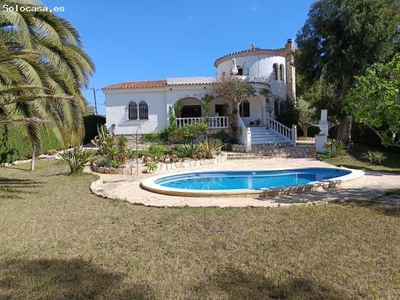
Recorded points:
(188, 132)
(188, 150)
(151, 137)
(151, 166)
(334, 148)
(222, 136)
(374, 156)
(76, 158)
(116, 148)
(210, 147)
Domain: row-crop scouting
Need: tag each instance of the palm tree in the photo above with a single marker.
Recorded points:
(42, 69)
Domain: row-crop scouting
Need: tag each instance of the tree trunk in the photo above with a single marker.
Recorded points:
(344, 133)
(303, 128)
(33, 158)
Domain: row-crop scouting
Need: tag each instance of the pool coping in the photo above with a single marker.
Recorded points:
(150, 185)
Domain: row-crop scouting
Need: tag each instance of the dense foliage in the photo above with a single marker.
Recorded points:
(375, 100)
(339, 40)
(42, 68)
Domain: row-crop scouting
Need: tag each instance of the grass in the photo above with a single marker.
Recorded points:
(59, 241)
(354, 159)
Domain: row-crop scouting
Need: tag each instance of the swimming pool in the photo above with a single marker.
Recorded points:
(250, 182)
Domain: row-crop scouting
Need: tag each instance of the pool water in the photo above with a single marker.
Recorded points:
(253, 180)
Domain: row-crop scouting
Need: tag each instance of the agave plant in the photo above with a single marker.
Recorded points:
(189, 150)
(76, 159)
(210, 147)
(115, 148)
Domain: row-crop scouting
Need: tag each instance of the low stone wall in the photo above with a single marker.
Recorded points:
(239, 148)
(188, 163)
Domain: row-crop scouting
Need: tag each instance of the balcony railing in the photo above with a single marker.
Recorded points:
(213, 122)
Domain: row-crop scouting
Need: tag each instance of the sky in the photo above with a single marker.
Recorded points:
(131, 40)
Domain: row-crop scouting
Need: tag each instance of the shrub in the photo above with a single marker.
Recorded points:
(210, 147)
(156, 151)
(116, 148)
(334, 148)
(150, 137)
(76, 158)
(374, 156)
(188, 132)
(221, 135)
(151, 166)
(188, 150)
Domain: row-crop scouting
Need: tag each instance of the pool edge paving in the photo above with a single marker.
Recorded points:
(128, 187)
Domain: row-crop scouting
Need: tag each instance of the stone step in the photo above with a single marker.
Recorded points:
(262, 135)
(266, 153)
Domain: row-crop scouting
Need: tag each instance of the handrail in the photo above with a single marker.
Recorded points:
(289, 133)
(245, 134)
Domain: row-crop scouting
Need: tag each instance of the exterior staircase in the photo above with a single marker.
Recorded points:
(263, 136)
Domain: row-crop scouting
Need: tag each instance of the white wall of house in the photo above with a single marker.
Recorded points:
(117, 102)
(159, 100)
(260, 67)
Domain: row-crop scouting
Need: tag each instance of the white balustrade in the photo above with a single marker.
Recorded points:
(213, 122)
(284, 131)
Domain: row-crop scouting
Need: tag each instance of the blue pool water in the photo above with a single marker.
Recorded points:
(237, 180)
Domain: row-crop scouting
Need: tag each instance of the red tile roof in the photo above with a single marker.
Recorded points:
(150, 84)
(137, 84)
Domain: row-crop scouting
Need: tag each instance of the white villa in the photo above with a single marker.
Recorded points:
(144, 106)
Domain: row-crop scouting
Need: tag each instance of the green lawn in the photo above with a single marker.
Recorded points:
(353, 159)
(58, 241)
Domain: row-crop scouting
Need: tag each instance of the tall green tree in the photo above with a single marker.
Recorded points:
(375, 100)
(42, 71)
(340, 39)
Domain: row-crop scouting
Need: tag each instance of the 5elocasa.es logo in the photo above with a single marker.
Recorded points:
(31, 8)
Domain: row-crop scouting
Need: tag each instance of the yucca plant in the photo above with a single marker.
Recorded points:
(188, 150)
(334, 148)
(76, 158)
(151, 166)
(115, 148)
(210, 147)
(374, 156)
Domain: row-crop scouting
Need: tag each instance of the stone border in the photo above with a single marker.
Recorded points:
(131, 170)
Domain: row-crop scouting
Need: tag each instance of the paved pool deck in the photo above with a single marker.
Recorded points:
(371, 185)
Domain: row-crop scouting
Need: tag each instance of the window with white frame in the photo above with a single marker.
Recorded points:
(136, 112)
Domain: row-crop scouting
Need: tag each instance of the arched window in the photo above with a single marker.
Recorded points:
(281, 72)
(143, 111)
(132, 111)
(275, 70)
(244, 109)
(240, 70)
